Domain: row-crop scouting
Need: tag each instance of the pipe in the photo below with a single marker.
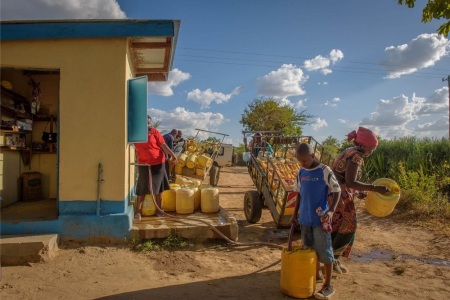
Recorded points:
(99, 182)
(234, 243)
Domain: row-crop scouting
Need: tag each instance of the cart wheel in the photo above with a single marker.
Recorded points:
(214, 175)
(252, 206)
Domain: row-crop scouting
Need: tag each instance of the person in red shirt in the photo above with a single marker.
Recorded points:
(151, 159)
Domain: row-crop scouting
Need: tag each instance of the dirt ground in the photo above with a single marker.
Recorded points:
(392, 259)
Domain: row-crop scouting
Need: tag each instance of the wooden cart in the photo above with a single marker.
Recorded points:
(271, 190)
(213, 149)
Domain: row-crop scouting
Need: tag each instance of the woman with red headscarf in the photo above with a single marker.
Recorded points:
(347, 169)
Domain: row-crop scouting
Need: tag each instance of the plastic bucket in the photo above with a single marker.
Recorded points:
(298, 270)
(246, 156)
(185, 201)
(182, 159)
(148, 207)
(210, 200)
(382, 205)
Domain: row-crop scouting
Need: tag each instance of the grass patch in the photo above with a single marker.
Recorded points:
(172, 242)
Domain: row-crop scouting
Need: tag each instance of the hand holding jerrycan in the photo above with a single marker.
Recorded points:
(298, 270)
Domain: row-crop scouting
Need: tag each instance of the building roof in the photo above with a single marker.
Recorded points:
(152, 42)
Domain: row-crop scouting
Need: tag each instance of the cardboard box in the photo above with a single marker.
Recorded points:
(31, 186)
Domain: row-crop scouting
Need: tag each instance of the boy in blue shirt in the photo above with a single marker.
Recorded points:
(314, 182)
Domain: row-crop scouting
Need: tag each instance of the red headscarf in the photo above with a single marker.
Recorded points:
(363, 137)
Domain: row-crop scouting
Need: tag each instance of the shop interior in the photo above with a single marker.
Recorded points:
(29, 144)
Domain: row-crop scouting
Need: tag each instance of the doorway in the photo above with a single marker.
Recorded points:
(29, 144)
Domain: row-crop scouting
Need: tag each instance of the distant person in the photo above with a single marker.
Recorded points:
(169, 138)
(152, 154)
(256, 145)
(314, 182)
(179, 137)
(347, 168)
(180, 143)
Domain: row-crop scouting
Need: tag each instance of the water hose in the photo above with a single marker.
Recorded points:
(234, 243)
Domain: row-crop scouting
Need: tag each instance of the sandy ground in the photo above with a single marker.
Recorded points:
(392, 259)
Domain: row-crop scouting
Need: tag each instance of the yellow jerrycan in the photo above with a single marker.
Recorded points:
(169, 198)
(298, 270)
(382, 205)
(197, 196)
(148, 207)
(185, 201)
(209, 200)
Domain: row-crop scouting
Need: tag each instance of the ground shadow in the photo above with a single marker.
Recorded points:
(258, 285)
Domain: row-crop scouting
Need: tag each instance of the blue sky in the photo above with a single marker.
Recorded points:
(349, 63)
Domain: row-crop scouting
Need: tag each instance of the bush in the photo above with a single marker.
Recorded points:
(422, 169)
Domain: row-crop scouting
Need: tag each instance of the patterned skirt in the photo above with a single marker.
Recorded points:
(344, 223)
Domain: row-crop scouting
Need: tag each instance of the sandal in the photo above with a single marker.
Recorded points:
(339, 268)
(138, 217)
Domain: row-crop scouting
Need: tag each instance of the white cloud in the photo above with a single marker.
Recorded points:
(438, 125)
(187, 121)
(323, 83)
(60, 9)
(342, 121)
(394, 112)
(297, 105)
(437, 103)
(321, 63)
(319, 123)
(317, 63)
(422, 52)
(165, 88)
(333, 102)
(285, 82)
(204, 98)
(336, 55)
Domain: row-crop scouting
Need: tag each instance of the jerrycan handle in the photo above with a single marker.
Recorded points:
(291, 236)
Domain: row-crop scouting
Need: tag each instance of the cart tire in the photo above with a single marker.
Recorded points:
(214, 175)
(252, 206)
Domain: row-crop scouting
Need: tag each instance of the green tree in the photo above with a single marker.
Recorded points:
(268, 114)
(332, 145)
(212, 139)
(435, 9)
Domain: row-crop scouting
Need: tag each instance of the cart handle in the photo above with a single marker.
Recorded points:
(224, 134)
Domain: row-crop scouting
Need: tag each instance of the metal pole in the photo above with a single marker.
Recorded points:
(448, 82)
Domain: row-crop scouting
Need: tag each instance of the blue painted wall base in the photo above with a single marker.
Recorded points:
(81, 224)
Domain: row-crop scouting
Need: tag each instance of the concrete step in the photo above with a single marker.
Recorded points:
(161, 227)
(23, 249)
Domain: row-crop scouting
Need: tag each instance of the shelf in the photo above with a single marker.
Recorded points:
(16, 132)
(44, 119)
(14, 113)
(42, 152)
(14, 95)
(13, 148)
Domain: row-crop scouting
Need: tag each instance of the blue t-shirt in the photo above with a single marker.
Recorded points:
(169, 139)
(314, 185)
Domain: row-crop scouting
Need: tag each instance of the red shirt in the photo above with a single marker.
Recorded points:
(151, 152)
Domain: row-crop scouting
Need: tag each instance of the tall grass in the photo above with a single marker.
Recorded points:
(422, 169)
